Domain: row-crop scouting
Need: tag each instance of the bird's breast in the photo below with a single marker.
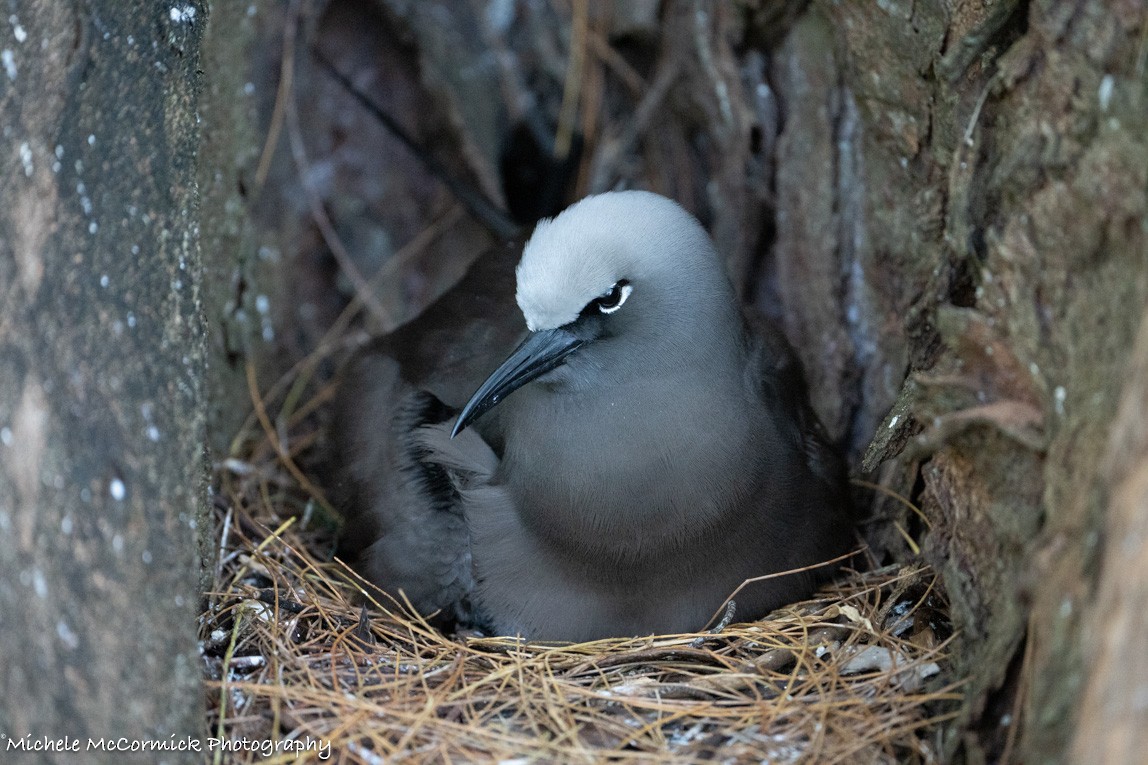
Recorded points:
(611, 481)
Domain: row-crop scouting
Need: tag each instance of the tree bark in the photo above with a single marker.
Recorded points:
(1113, 716)
(1003, 247)
(102, 472)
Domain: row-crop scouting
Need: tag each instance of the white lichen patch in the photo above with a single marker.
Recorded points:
(1104, 93)
(26, 158)
(85, 200)
(18, 30)
(39, 583)
(67, 636)
(29, 437)
(182, 14)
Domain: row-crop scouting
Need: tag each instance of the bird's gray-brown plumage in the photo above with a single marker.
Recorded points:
(642, 453)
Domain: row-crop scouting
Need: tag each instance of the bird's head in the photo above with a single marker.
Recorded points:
(619, 284)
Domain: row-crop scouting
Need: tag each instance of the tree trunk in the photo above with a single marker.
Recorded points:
(102, 472)
(1001, 243)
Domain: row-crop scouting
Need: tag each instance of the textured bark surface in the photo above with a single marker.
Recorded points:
(243, 276)
(102, 476)
(1004, 174)
(1112, 720)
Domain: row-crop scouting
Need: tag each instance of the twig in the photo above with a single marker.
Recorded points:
(282, 95)
(273, 439)
(775, 575)
(606, 166)
(1018, 701)
(618, 65)
(893, 495)
(571, 90)
(481, 209)
(227, 657)
(727, 617)
(302, 166)
(335, 339)
(223, 542)
(960, 57)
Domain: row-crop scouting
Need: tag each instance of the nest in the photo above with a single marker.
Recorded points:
(301, 661)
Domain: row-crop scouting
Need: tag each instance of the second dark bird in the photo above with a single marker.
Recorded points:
(644, 450)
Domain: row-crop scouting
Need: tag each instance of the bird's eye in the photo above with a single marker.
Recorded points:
(612, 300)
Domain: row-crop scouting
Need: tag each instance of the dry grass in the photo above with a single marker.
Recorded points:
(856, 674)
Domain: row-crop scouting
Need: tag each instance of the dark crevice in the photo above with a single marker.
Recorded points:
(760, 286)
(536, 184)
(963, 280)
(998, 721)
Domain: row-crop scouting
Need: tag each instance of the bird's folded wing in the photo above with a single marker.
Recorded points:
(466, 456)
(777, 369)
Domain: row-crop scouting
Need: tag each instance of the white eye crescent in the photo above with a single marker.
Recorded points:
(613, 299)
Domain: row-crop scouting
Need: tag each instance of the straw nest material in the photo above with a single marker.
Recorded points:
(857, 673)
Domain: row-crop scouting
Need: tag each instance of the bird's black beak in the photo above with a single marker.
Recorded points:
(539, 353)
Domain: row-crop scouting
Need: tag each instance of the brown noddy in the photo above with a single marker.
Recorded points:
(642, 452)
